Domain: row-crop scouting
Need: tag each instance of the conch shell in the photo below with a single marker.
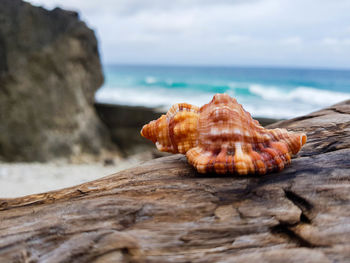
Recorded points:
(222, 137)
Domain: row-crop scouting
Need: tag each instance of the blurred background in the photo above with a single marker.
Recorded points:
(280, 59)
(79, 78)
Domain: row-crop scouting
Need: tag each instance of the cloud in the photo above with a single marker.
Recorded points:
(241, 32)
(293, 41)
(237, 39)
(332, 41)
(132, 7)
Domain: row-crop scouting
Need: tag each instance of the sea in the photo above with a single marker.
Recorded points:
(265, 92)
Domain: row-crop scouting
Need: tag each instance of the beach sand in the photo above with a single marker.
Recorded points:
(19, 179)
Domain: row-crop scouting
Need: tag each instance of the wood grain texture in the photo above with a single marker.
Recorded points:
(163, 211)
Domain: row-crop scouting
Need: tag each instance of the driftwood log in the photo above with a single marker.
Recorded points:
(163, 211)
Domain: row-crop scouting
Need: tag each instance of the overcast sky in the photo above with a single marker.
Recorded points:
(301, 33)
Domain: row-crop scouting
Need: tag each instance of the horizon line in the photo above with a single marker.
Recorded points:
(226, 66)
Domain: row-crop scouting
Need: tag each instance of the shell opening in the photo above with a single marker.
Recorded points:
(143, 131)
(303, 139)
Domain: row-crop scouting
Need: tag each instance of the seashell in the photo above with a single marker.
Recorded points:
(222, 137)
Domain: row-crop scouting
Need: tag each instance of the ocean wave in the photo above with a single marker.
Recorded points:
(164, 98)
(160, 97)
(156, 82)
(259, 100)
(196, 85)
(304, 94)
(263, 92)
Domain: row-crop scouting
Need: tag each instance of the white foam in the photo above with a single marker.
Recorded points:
(233, 85)
(269, 102)
(151, 80)
(155, 97)
(303, 94)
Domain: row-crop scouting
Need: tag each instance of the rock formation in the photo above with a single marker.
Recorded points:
(125, 129)
(49, 72)
(163, 211)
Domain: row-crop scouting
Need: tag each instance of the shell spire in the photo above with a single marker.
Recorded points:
(175, 132)
(222, 137)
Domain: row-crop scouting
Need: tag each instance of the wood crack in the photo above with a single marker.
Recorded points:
(286, 230)
(339, 111)
(298, 200)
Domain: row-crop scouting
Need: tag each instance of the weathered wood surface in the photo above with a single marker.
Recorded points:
(162, 211)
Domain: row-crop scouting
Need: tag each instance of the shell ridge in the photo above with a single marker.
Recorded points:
(171, 125)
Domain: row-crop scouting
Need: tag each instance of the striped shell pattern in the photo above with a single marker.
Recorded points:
(222, 137)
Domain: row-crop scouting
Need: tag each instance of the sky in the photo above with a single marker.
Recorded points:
(288, 33)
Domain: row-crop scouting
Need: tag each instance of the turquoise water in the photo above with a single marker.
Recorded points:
(264, 92)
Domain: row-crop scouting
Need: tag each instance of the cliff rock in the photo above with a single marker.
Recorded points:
(49, 72)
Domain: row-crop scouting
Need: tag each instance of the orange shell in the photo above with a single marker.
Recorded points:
(222, 137)
(175, 132)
